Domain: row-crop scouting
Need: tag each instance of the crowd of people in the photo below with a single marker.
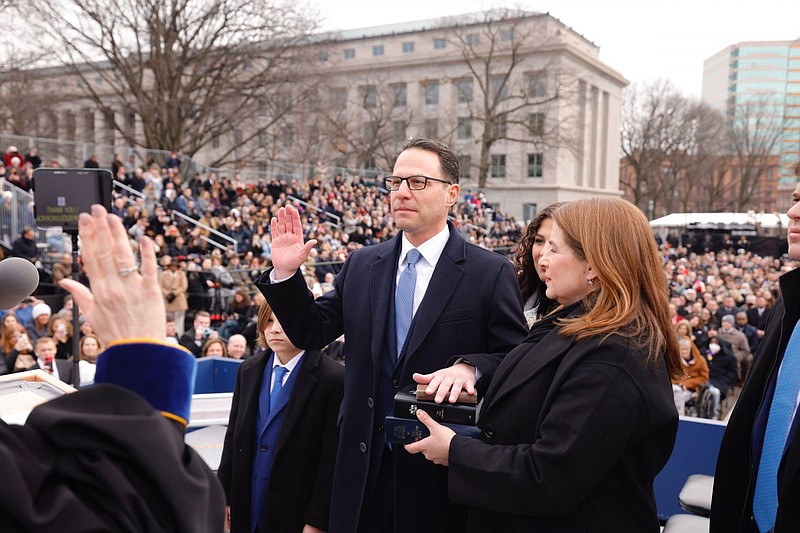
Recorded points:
(343, 213)
(210, 294)
(582, 335)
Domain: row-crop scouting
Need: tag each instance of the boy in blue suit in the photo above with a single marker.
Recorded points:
(280, 446)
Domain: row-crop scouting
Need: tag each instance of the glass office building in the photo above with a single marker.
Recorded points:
(768, 73)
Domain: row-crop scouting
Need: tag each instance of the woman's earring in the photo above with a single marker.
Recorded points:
(591, 282)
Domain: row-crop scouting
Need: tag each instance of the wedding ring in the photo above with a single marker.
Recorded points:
(124, 272)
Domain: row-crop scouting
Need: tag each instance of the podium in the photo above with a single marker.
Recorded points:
(22, 391)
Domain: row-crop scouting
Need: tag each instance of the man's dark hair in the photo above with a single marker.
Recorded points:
(451, 168)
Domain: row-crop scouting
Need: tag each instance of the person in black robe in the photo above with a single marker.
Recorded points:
(112, 457)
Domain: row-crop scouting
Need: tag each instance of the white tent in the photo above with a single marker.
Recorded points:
(710, 220)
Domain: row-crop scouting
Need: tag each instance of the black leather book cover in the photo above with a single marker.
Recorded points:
(406, 405)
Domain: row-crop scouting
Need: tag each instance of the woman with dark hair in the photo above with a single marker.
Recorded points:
(238, 314)
(529, 276)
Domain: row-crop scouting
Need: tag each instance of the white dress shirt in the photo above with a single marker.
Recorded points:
(290, 366)
(430, 250)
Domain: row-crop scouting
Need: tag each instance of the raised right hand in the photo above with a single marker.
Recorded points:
(123, 303)
(288, 249)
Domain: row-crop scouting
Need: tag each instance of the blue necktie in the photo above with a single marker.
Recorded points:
(278, 373)
(404, 299)
(765, 499)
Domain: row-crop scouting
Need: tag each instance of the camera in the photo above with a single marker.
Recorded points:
(207, 331)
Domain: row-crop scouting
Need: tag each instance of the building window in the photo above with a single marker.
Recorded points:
(369, 129)
(288, 135)
(535, 169)
(215, 142)
(498, 164)
(408, 47)
(506, 36)
(464, 129)
(262, 108)
(377, 50)
(431, 128)
(340, 99)
(501, 126)
(536, 124)
(322, 56)
(431, 92)
(314, 103)
(473, 39)
(370, 96)
(284, 101)
(537, 84)
(349, 53)
(399, 94)
(465, 162)
(499, 87)
(399, 127)
(439, 44)
(529, 211)
(464, 90)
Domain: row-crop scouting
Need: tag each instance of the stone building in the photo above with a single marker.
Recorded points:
(524, 99)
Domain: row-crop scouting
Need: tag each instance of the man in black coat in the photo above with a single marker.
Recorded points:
(758, 315)
(465, 301)
(750, 332)
(723, 368)
(25, 245)
(741, 454)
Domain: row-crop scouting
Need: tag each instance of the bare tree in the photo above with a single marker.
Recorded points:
(190, 70)
(654, 128)
(510, 104)
(28, 116)
(693, 167)
(754, 134)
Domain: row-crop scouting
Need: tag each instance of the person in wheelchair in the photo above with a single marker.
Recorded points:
(723, 371)
(686, 390)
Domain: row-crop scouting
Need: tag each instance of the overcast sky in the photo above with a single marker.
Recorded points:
(642, 39)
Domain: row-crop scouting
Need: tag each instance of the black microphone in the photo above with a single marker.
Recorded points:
(18, 279)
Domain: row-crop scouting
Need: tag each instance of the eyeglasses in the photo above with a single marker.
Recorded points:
(415, 183)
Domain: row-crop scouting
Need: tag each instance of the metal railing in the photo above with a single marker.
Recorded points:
(317, 210)
(16, 213)
(207, 228)
(75, 153)
(190, 220)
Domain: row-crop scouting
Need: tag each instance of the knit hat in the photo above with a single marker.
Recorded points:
(40, 309)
